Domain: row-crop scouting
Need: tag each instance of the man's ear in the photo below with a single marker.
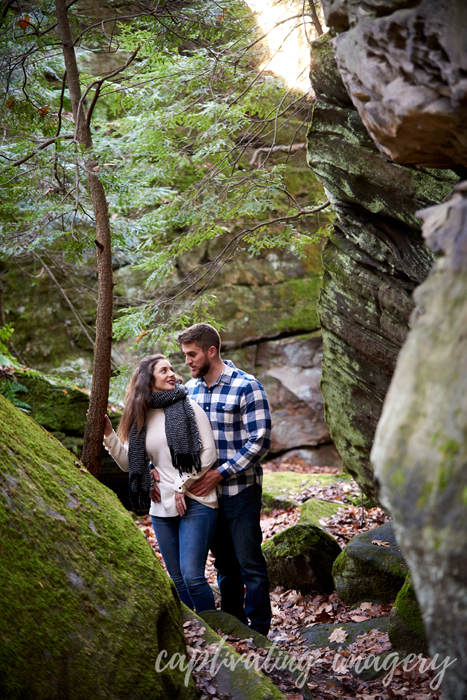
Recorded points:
(212, 352)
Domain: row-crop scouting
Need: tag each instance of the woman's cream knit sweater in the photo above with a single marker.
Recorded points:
(159, 454)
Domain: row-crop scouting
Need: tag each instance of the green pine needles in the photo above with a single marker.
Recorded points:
(177, 105)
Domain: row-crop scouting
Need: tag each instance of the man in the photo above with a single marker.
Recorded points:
(238, 409)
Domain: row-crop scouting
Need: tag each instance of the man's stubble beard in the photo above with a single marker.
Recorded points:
(203, 370)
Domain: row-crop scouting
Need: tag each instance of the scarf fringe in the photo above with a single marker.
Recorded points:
(186, 463)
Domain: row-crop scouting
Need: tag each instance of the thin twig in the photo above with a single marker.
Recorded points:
(49, 142)
(75, 314)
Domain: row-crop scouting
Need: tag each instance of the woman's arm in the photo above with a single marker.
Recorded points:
(113, 445)
(208, 453)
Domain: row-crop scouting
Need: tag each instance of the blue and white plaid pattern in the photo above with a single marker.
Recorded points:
(238, 409)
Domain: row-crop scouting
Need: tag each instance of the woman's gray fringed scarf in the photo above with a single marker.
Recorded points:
(182, 438)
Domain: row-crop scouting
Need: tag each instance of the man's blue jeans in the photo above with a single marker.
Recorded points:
(184, 544)
(239, 559)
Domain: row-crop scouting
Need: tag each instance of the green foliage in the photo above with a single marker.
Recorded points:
(170, 134)
(6, 358)
(10, 390)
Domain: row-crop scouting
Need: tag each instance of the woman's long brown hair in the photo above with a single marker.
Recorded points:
(138, 396)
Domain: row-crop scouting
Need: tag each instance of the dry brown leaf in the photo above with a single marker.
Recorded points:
(380, 543)
(338, 635)
(358, 618)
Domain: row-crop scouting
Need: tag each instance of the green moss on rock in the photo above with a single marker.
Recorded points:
(301, 558)
(314, 509)
(85, 606)
(56, 405)
(233, 678)
(229, 625)
(317, 636)
(366, 571)
(281, 489)
(406, 631)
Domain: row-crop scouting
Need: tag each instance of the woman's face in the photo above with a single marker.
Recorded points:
(164, 376)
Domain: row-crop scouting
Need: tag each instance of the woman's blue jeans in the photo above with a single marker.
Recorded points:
(184, 544)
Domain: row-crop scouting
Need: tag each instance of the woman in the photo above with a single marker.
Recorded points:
(162, 428)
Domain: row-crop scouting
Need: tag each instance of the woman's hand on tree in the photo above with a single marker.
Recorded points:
(107, 426)
(180, 503)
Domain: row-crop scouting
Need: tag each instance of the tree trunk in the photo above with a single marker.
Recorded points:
(314, 19)
(2, 310)
(92, 448)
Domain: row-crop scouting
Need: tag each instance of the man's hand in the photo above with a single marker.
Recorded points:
(155, 494)
(208, 481)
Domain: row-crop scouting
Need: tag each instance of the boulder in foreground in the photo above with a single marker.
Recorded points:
(85, 607)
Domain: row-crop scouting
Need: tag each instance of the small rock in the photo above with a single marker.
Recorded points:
(366, 571)
(301, 558)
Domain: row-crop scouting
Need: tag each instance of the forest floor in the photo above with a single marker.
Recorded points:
(330, 675)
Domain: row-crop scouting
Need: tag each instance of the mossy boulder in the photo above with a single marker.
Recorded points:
(406, 631)
(281, 489)
(317, 636)
(420, 450)
(301, 557)
(60, 407)
(56, 405)
(314, 509)
(366, 571)
(237, 679)
(85, 605)
(229, 625)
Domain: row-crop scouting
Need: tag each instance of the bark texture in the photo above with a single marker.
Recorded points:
(102, 349)
(404, 64)
(374, 258)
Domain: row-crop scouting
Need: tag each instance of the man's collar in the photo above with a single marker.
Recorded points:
(225, 377)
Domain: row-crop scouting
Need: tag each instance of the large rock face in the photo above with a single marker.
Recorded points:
(420, 450)
(373, 260)
(404, 64)
(85, 606)
(290, 371)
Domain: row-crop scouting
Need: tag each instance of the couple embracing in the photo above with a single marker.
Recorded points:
(193, 454)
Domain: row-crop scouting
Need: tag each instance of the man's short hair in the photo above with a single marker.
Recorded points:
(203, 335)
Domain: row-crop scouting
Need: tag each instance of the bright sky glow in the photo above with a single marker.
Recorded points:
(287, 49)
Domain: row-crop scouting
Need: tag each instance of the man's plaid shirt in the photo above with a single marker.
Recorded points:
(238, 409)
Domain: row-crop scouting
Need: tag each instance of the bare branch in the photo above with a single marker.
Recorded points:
(98, 84)
(49, 142)
(59, 125)
(221, 259)
(58, 285)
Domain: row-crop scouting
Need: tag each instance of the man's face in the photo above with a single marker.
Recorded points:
(197, 360)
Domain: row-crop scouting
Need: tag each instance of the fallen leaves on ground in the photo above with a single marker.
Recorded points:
(338, 635)
(298, 465)
(206, 683)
